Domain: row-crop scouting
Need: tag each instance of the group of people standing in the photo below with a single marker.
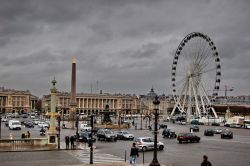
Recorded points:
(25, 135)
(70, 140)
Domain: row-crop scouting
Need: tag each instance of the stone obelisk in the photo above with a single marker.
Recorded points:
(72, 111)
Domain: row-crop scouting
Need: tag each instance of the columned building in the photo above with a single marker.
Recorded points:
(16, 101)
(92, 103)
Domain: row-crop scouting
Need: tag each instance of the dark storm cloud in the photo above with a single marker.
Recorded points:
(127, 46)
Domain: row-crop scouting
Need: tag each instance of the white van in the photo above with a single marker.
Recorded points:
(14, 125)
(85, 127)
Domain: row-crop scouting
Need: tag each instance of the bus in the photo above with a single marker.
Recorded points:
(247, 124)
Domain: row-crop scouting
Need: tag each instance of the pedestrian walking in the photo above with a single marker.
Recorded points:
(205, 161)
(67, 142)
(72, 140)
(28, 134)
(133, 154)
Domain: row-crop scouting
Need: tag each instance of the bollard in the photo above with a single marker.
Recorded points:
(125, 158)
(143, 155)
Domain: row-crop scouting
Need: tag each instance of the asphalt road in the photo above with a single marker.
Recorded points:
(221, 152)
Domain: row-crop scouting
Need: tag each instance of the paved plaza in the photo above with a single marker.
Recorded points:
(221, 152)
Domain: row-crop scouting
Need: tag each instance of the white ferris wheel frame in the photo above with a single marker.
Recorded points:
(199, 104)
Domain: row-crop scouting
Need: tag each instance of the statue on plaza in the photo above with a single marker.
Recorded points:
(106, 115)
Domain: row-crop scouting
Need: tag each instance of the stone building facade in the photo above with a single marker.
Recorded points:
(16, 101)
(147, 103)
(88, 103)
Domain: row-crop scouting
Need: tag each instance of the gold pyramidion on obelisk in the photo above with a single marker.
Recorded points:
(72, 112)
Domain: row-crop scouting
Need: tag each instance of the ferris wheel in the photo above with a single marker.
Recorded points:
(196, 76)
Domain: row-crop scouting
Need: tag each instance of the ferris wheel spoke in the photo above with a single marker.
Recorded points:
(194, 88)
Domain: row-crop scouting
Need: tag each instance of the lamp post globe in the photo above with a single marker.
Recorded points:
(156, 103)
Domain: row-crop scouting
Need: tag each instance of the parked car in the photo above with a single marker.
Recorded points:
(195, 128)
(85, 137)
(188, 137)
(124, 135)
(147, 143)
(226, 134)
(106, 134)
(209, 132)
(217, 131)
(168, 133)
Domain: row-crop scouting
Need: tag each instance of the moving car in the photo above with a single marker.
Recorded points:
(215, 124)
(168, 133)
(4, 119)
(106, 134)
(124, 135)
(195, 128)
(14, 125)
(217, 131)
(163, 126)
(147, 143)
(29, 124)
(227, 134)
(85, 137)
(209, 132)
(85, 127)
(235, 125)
(188, 137)
(43, 125)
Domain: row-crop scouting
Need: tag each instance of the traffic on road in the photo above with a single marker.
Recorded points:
(178, 143)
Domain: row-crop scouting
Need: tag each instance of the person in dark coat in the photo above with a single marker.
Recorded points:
(23, 135)
(133, 154)
(67, 142)
(205, 161)
(28, 134)
(72, 139)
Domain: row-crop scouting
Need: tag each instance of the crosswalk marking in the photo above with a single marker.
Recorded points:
(84, 156)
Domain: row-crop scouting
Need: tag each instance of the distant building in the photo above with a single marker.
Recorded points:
(147, 103)
(88, 103)
(16, 101)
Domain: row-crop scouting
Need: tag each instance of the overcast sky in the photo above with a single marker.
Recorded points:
(121, 46)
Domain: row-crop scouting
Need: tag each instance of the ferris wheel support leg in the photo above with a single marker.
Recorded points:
(215, 114)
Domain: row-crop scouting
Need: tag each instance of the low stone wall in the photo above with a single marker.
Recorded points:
(31, 142)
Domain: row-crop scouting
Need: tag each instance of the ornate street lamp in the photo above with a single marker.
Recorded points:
(91, 140)
(0, 126)
(156, 103)
(77, 125)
